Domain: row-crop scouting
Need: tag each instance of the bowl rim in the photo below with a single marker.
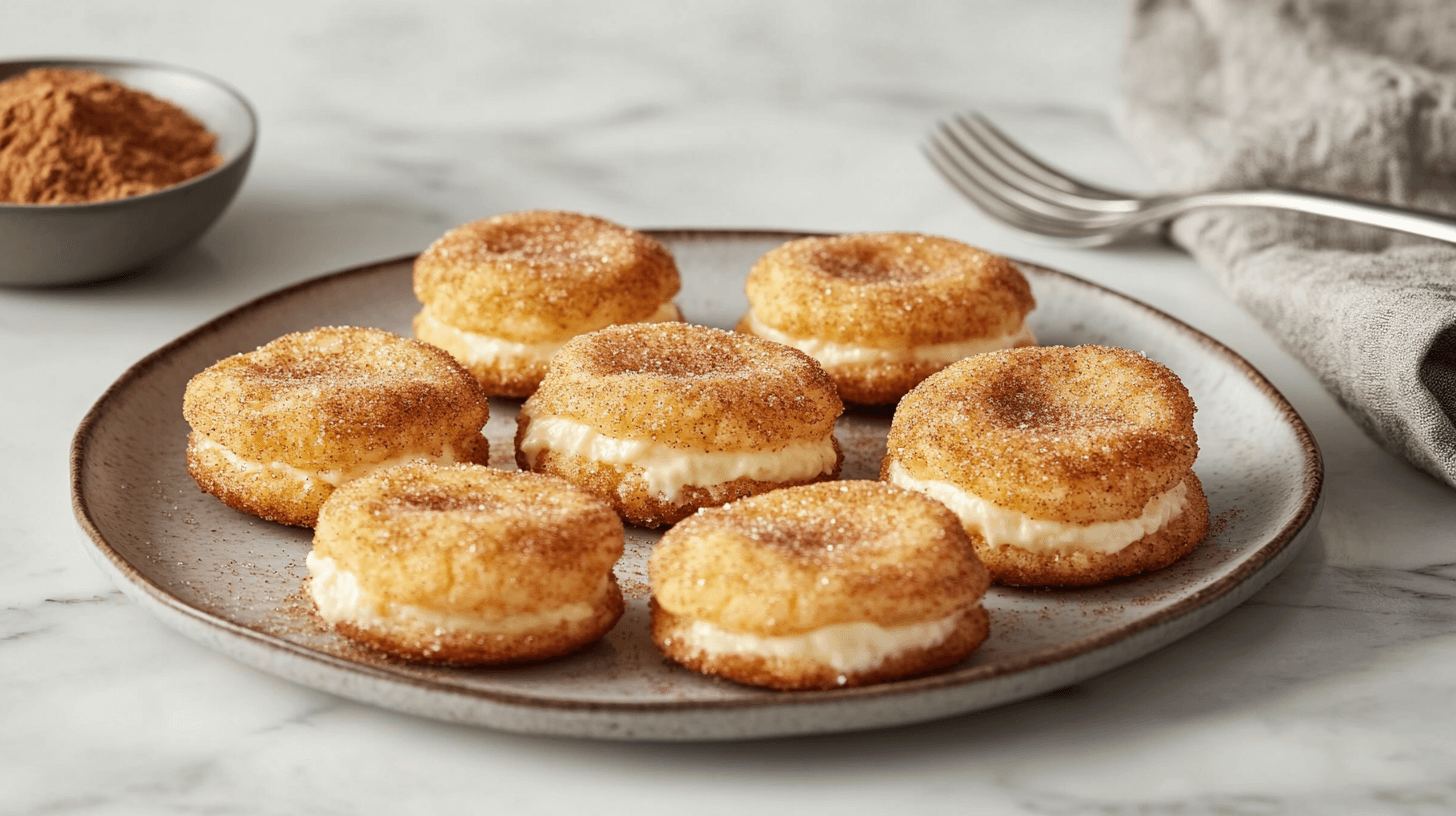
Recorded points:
(243, 154)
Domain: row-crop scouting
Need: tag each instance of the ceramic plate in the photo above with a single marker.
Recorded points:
(234, 582)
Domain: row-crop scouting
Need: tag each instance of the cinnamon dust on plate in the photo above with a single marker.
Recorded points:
(74, 137)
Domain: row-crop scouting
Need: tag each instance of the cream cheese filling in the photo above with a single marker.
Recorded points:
(332, 477)
(485, 349)
(666, 469)
(339, 598)
(844, 647)
(830, 353)
(999, 525)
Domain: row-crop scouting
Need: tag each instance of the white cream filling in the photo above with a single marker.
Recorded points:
(333, 477)
(485, 349)
(830, 353)
(339, 597)
(667, 470)
(999, 525)
(845, 647)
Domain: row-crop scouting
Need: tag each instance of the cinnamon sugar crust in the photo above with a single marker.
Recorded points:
(1079, 435)
(799, 559)
(689, 387)
(332, 399)
(794, 561)
(335, 397)
(470, 538)
(472, 541)
(888, 290)
(543, 276)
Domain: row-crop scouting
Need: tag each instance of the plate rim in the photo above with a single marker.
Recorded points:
(1250, 565)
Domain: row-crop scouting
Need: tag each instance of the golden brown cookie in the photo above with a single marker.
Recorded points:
(883, 311)
(466, 565)
(504, 294)
(277, 429)
(1068, 466)
(660, 419)
(823, 586)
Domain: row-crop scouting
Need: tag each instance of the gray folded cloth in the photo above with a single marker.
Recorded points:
(1356, 97)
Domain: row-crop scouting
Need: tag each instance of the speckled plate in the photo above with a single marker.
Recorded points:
(234, 582)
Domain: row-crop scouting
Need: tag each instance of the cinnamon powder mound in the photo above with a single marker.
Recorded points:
(73, 137)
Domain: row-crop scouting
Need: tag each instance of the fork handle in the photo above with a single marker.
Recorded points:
(1415, 222)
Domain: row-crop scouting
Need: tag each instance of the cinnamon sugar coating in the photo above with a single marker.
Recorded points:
(1081, 435)
(791, 562)
(798, 559)
(334, 399)
(688, 387)
(468, 540)
(888, 290)
(543, 276)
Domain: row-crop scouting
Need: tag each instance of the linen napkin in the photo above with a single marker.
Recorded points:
(1356, 97)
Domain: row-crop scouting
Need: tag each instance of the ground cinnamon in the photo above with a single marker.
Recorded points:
(71, 137)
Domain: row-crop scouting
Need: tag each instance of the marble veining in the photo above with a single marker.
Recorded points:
(383, 124)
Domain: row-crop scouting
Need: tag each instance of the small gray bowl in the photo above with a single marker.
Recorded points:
(55, 244)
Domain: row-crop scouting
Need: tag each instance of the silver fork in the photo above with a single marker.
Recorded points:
(1011, 185)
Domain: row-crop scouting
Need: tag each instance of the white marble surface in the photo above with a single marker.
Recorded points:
(385, 123)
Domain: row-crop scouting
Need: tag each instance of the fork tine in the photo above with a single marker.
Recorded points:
(1059, 230)
(1031, 167)
(974, 162)
(1019, 171)
(948, 162)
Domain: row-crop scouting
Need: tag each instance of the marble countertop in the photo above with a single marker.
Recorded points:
(384, 124)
